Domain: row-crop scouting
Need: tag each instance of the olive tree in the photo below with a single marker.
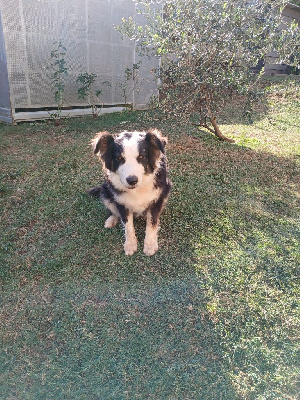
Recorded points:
(207, 51)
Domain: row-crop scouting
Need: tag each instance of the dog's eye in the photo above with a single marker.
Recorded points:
(120, 158)
(140, 157)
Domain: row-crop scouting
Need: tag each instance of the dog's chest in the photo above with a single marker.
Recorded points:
(138, 200)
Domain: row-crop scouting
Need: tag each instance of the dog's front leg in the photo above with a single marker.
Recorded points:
(150, 243)
(130, 245)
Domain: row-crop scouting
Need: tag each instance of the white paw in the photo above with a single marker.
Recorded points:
(130, 247)
(111, 221)
(150, 248)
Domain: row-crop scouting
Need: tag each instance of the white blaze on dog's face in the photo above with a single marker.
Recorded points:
(131, 171)
(130, 157)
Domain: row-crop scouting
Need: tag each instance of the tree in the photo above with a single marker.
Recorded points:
(207, 51)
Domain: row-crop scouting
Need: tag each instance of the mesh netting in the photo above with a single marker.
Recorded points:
(86, 29)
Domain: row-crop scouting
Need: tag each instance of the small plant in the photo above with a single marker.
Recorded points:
(58, 64)
(130, 75)
(86, 91)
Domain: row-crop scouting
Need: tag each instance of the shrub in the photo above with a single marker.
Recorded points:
(207, 51)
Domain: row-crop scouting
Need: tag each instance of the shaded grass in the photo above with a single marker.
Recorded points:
(213, 315)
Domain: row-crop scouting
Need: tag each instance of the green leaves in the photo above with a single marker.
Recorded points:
(58, 66)
(87, 92)
(212, 45)
(86, 80)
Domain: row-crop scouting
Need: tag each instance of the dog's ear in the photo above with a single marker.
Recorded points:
(156, 144)
(102, 142)
(156, 140)
(103, 145)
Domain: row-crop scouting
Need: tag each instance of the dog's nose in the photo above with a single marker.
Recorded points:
(132, 180)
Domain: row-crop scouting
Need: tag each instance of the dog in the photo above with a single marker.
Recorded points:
(136, 182)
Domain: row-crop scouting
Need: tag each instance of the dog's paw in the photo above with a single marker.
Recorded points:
(111, 221)
(150, 248)
(130, 247)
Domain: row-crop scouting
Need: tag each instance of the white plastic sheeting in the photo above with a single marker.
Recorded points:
(86, 28)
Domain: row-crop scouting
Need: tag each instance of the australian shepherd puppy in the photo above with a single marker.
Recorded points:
(136, 182)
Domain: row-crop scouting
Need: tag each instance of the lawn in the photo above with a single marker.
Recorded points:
(213, 315)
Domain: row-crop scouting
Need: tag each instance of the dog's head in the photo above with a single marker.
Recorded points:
(130, 156)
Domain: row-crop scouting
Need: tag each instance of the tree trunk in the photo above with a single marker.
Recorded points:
(215, 130)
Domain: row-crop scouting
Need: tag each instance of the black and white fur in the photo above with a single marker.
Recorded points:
(136, 182)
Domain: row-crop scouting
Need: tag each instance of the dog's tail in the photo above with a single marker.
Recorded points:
(95, 192)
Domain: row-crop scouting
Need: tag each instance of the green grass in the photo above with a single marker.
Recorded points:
(213, 315)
